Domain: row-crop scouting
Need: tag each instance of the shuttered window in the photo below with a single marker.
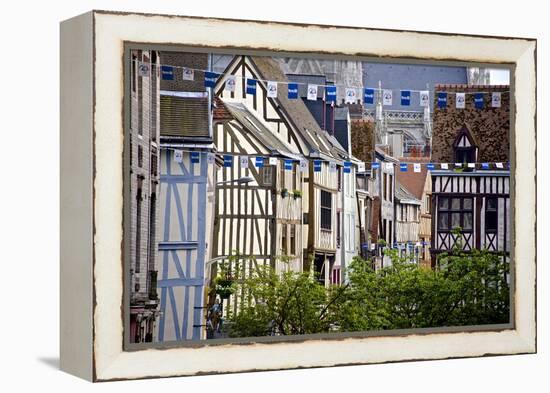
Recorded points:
(184, 116)
(326, 210)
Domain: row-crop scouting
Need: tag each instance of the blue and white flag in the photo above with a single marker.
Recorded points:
(458, 165)
(187, 74)
(211, 158)
(143, 69)
(484, 165)
(499, 165)
(251, 86)
(230, 83)
(369, 96)
(273, 160)
(288, 165)
(471, 165)
(460, 100)
(227, 160)
(347, 166)
(361, 167)
(210, 78)
(387, 97)
(430, 166)
(405, 97)
(243, 162)
(375, 165)
(444, 165)
(272, 89)
(259, 162)
(304, 166)
(332, 167)
(317, 164)
(478, 100)
(195, 157)
(351, 96)
(403, 167)
(416, 167)
(425, 98)
(292, 91)
(330, 94)
(178, 156)
(312, 92)
(496, 99)
(167, 72)
(442, 99)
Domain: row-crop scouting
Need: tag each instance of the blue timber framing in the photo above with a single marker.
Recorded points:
(182, 248)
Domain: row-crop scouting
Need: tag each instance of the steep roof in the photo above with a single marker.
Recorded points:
(412, 181)
(297, 113)
(405, 196)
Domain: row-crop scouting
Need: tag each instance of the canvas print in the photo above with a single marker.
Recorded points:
(276, 196)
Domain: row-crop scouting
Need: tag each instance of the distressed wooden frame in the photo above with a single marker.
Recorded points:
(92, 137)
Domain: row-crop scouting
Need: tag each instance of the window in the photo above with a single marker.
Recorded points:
(428, 204)
(282, 175)
(140, 156)
(139, 198)
(465, 154)
(491, 215)
(152, 230)
(293, 240)
(384, 186)
(294, 187)
(338, 231)
(455, 212)
(284, 249)
(134, 72)
(267, 175)
(326, 210)
(390, 195)
(154, 161)
(339, 176)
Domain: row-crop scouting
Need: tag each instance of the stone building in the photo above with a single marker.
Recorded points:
(144, 188)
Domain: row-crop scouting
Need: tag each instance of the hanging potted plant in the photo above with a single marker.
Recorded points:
(223, 284)
(284, 193)
(297, 194)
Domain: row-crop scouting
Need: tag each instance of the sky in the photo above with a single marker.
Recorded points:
(500, 77)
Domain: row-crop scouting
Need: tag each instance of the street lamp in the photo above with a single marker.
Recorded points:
(241, 180)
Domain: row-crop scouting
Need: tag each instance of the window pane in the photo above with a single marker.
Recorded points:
(491, 221)
(467, 204)
(443, 221)
(455, 220)
(455, 205)
(443, 203)
(491, 203)
(468, 218)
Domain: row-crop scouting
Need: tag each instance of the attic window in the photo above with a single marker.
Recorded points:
(464, 146)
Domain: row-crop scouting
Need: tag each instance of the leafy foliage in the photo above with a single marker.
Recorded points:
(465, 289)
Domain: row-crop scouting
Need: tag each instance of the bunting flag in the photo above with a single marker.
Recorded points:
(496, 99)
(178, 156)
(460, 100)
(347, 166)
(361, 167)
(243, 162)
(351, 96)
(387, 97)
(292, 91)
(416, 167)
(251, 86)
(444, 166)
(288, 165)
(312, 92)
(375, 165)
(405, 97)
(478, 100)
(332, 167)
(389, 166)
(442, 99)
(272, 89)
(425, 98)
(187, 74)
(211, 158)
(471, 165)
(403, 167)
(273, 160)
(259, 162)
(304, 166)
(330, 94)
(143, 69)
(210, 78)
(167, 72)
(369, 96)
(430, 166)
(317, 165)
(499, 165)
(227, 161)
(484, 165)
(195, 157)
(458, 165)
(230, 83)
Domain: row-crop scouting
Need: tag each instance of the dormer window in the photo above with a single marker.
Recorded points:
(465, 148)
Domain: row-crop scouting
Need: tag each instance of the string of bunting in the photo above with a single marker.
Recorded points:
(303, 164)
(210, 78)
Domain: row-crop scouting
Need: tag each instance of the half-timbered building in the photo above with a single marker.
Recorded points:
(143, 185)
(187, 182)
(473, 197)
(407, 223)
(290, 122)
